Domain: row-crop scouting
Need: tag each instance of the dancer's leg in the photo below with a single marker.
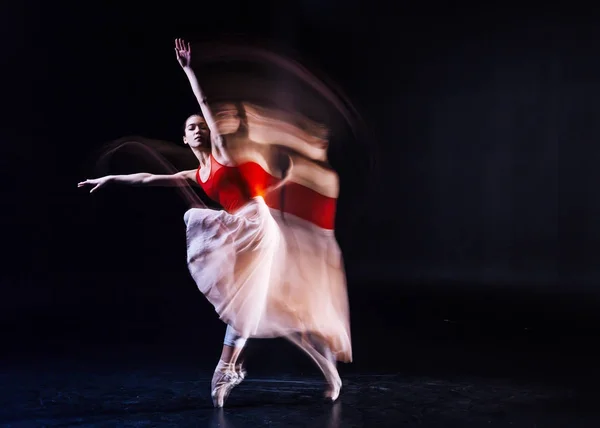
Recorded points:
(334, 381)
(233, 345)
(322, 348)
(317, 349)
(228, 373)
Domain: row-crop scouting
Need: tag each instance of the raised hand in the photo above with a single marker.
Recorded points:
(94, 183)
(183, 53)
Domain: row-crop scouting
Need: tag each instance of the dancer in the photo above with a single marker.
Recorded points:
(269, 265)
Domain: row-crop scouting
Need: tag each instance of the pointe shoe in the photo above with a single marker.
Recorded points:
(224, 380)
(335, 383)
(333, 391)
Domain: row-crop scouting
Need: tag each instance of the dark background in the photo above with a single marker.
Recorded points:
(478, 225)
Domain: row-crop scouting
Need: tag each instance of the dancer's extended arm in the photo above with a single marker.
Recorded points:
(182, 178)
(184, 57)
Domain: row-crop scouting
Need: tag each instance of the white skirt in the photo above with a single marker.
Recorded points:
(270, 275)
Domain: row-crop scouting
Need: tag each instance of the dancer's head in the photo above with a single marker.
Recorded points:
(196, 133)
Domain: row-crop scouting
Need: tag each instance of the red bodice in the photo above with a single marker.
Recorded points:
(234, 186)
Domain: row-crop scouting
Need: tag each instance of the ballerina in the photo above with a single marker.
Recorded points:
(269, 264)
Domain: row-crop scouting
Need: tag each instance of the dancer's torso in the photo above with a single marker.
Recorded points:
(234, 186)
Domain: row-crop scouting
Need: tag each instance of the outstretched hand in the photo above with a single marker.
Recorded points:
(183, 53)
(94, 183)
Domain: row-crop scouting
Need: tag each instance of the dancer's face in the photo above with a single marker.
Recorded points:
(197, 134)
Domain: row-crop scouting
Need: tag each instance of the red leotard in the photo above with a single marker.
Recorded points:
(234, 186)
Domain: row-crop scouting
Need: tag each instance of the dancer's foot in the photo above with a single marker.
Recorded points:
(224, 380)
(326, 361)
(334, 383)
(331, 374)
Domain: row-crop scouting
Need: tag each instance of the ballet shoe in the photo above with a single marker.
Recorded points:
(334, 380)
(224, 380)
(332, 393)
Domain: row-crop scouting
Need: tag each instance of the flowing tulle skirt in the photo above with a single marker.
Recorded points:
(270, 275)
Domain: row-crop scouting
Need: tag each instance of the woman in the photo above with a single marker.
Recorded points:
(269, 265)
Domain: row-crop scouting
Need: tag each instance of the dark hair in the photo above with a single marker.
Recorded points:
(188, 118)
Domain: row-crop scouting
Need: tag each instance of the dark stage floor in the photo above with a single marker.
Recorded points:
(428, 360)
(129, 390)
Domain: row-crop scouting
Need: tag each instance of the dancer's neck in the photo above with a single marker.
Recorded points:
(203, 156)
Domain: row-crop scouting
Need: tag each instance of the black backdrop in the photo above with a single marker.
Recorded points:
(484, 122)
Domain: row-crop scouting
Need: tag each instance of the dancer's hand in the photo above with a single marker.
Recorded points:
(183, 52)
(95, 183)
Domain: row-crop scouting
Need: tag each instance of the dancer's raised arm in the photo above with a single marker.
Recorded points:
(179, 179)
(183, 52)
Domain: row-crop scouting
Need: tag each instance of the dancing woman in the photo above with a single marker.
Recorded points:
(271, 268)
